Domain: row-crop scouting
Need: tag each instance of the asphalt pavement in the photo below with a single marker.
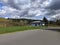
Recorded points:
(31, 37)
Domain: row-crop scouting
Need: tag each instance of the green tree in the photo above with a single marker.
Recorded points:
(45, 21)
(58, 22)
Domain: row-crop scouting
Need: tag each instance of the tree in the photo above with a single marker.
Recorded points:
(58, 22)
(45, 21)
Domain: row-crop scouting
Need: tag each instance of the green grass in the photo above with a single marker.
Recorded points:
(17, 28)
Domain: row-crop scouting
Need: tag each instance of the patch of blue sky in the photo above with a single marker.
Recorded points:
(1, 5)
(5, 16)
(39, 17)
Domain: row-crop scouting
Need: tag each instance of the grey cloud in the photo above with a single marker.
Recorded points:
(11, 3)
(55, 4)
(24, 7)
(33, 5)
(19, 4)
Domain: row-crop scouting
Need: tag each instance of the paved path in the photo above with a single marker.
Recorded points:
(36, 37)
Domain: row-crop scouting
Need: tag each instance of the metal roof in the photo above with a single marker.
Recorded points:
(36, 22)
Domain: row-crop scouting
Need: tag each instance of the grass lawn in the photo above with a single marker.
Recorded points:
(18, 28)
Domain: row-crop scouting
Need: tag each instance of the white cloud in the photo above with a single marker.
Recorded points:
(17, 8)
(57, 15)
(5, 0)
(46, 3)
(2, 12)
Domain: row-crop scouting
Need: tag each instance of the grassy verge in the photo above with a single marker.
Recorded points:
(17, 28)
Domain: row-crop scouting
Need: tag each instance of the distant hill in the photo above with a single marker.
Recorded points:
(3, 20)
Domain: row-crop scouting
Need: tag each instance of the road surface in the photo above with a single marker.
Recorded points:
(31, 37)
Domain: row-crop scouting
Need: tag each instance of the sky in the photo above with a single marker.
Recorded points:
(34, 9)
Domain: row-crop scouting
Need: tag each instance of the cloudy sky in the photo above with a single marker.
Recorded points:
(35, 9)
